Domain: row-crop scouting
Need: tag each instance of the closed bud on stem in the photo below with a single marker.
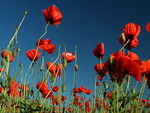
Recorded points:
(41, 68)
(123, 37)
(133, 90)
(63, 87)
(76, 67)
(64, 63)
(20, 65)
(26, 12)
(18, 49)
(14, 53)
(105, 85)
(3, 62)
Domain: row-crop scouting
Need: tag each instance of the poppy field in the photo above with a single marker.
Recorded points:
(116, 95)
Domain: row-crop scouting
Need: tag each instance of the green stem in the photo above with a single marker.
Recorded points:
(8, 47)
(125, 44)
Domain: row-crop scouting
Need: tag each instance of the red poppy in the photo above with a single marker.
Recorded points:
(6, 54)
(89, 91)
(98, 83)
(13, 85)
(131, 32)
(24, 87)
(68, 56)
(59, 69)
(98, 68)
(109, 95)
(121, 65)
(33, 54)
(52, 68)
(46, 94)
(70, 109)
(13, 93)
(42, 86)
(55, 88)
(1, 70)
(46, 45)
(52, 15)
(77, 98)
(148, 26)
(144, 101)
(87, 104)
(146, 71)
(53, 97)
(1, 90)
(99, 51)
(63, 98)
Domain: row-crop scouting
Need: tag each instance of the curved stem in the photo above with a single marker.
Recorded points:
(8, 47)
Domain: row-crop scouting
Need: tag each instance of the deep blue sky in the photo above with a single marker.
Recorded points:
(85, 24)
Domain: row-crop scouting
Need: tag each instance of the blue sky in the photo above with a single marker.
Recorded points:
(85, 24)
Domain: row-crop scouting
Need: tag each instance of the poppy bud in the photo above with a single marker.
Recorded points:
(64, 63)
(14, 53)
(21, 65)
(26, 12)
(41, 68)
(76, 67)
(3, 62)
(133, 90)
(123, 37)
(105, 85)
(18, 49)
(63, 87)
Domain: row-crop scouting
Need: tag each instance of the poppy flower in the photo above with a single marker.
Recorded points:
(148, 26)
(46, 45)
(33, 54)
(55, 88)
(52, 68)
(146, 71)
(13, 93)
(42, 86)
(144, 101)
(63, 98)
(46, 94)
(131, 32)
(98, 68)
(87, 104)
(53, 97)
(13, 85)
(89, 91)
(1, 90)
(68, 56)
(52, 15)
(98, 83)
(6, 54)
(99, 51)
(59, 69)
(1, 70)
(122, 65)
(24, 87)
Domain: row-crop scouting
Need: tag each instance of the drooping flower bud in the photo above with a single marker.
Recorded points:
(76, 67)
(63, 87)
